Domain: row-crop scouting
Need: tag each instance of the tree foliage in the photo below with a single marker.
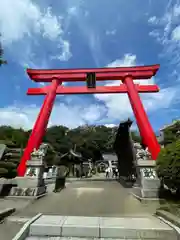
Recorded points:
(10, 160)
(62, 139)
(168, 165)
(172, 133)
(90, 141)
(50, 156)
(136, 137)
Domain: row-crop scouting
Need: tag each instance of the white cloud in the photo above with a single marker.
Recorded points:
(25, 115)
(161, 100)
(94, 113)
(111, 125)
(176, 33)
(118, 105)
(64, 46)
(167, 32)
(152, 19)
(24, 20)
(111, 32)
(72, 11)
(50, 25)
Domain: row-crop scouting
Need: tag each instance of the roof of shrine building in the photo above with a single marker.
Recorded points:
(169, 125)
(110, 156)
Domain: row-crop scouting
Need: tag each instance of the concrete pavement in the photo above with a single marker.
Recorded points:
(81, 198)
(9, 229)
(89, 199)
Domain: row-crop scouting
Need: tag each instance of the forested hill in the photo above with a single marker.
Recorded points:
(62, 138)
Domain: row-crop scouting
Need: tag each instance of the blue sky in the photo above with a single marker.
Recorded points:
(88, 34)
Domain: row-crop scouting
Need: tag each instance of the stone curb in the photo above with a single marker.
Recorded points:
(147, 200)
(71, 180)
(169, 217)
(24, 231)
(91, 180)
(27, 197)
(6, 212)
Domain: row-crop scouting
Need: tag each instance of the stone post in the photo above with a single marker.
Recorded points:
(147, 183)
(32, 184)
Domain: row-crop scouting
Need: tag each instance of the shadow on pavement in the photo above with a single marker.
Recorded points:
(125, 184)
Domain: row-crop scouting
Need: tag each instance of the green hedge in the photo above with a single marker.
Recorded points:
(8, 169)
(7, 165)
(3, 172)
(8, 173)
(168, 165)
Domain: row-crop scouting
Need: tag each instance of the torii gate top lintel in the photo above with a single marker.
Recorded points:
(102, 74)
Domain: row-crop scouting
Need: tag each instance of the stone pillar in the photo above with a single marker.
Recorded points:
(32, 184)
(147, 184)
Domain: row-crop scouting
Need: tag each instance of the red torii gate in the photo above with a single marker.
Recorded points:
(56, 77)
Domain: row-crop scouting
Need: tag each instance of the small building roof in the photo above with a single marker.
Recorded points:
(110, 156)
(169, 125)
(75, 154)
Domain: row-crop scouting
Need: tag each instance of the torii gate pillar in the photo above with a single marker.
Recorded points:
(146, 131)
(40, 126)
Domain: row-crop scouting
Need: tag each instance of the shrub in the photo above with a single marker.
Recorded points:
(8, 169)
(11, 174)
(168, 165)
(3, 172)
(15, 161)
(7, 165)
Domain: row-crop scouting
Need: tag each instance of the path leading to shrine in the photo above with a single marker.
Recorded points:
(89, 199)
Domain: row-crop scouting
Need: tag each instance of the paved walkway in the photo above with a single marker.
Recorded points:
(80, 198)
(89, 199)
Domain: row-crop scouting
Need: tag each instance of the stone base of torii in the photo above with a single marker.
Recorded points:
(147, 185)
(32, 185)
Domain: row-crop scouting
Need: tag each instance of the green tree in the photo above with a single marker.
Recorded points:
(90, 141)
(9, 162)
(135, 136)
(172, 133)
(168, 165)
(50, 156)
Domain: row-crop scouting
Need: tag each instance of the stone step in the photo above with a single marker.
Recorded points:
(101, 227)
(74, 238)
